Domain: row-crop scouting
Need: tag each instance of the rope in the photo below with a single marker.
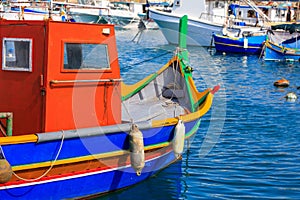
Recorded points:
(262, 51)
(150, 58)
(99, 19)
(1, 153)
(46, 172)
(175, 72)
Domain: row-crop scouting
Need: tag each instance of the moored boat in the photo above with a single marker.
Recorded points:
(286, 50)
(245, 40)
(26, 10)
(200, 24)
(71, 128)
(104, 11)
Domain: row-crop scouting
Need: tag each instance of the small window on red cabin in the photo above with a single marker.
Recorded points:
(17, 54)
(79, 56)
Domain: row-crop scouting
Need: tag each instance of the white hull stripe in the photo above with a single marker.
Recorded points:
(74, 176)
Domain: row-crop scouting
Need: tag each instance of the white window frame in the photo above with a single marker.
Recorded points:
(4, 67)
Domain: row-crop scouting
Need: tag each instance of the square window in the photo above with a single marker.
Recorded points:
(17, 54)
(85, 56)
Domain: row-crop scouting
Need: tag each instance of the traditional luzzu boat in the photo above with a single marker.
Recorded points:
(70, 127)
(286, 50)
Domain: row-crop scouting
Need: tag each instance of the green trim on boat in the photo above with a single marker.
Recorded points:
(193, 130)
(140, 87)
(200, 101)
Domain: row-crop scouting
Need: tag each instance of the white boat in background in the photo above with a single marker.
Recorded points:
(201, 24)
(208, 17)
(27, 10)
(103, 11)
(122, 15)
(87, 13)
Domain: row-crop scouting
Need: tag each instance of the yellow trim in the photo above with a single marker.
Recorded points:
(83, 158)
(197, 95)
(205, 106)
(284, 50)
(188, 117)
(18, 139)
(226, 37)
(175, 58)
(234, 45)
(280, 23)
(127, 89)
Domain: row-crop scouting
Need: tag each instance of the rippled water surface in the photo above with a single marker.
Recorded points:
(248, 145)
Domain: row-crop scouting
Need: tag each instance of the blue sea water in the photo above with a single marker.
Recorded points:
(248, 145)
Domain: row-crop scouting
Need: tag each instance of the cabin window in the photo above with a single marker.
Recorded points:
(86, 56)
(251, 13)
(177, 3)
(17, 54)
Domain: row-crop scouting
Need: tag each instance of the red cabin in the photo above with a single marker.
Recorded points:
(58, 76)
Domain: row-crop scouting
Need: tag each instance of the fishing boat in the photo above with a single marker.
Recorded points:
(200, 22)
(84, 11)
(245, 40)
(104, 11)
(27, 10)
(204, 21)
(287, 50)
(71, 128)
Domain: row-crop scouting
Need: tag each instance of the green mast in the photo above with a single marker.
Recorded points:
(183, 26)
(187, 70)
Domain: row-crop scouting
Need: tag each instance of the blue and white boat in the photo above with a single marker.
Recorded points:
(287, 50)
(246, 40)
(27, 11)
(103, 11)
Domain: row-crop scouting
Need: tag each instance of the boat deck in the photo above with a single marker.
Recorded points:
(151, 109)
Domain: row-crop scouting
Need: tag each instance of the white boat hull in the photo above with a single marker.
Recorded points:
(199, 31)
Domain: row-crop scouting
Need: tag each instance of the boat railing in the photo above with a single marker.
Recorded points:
(221, 19)
(84, 81)
(48, 6)
(244, 21)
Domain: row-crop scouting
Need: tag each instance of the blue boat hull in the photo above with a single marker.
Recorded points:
(85, 146)
(239, 45)
(86, 184)
(274, 52)
(112, 173)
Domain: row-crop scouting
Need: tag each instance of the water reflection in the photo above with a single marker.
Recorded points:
(166, 183)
